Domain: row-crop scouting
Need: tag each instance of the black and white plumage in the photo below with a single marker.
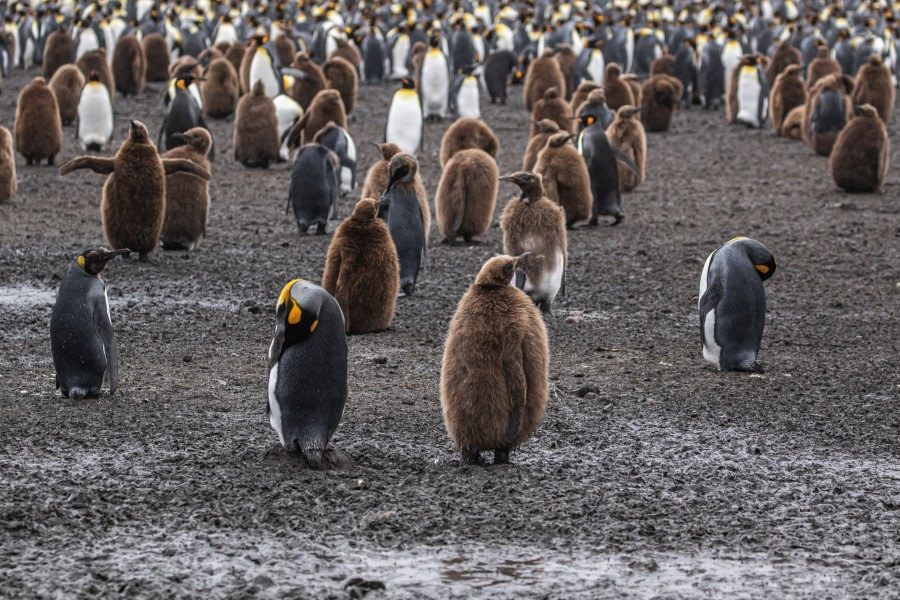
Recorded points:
(315, 187)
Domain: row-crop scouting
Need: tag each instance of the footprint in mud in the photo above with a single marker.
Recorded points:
(483, 574)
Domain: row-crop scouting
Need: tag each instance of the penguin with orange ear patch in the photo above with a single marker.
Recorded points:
(401, 207)
(182, 114)
(601, 155)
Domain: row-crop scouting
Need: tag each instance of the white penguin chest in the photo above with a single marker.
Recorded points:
(711, 350)
(435, 83)
(596, 67)
(404, 126)
(95, 116)
(467, 100)
(261, 70)
(749, 91)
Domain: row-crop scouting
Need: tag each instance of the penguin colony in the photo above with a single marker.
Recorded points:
(289, 73)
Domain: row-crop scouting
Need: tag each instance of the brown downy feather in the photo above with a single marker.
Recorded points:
(37, 128)
(58, 51)
(221, 89)
(565, 178)
(468, 133)
(157, 54)
(792, 126)
(637, 91)
(129, 66)
(664, 65)
(627, 133)
(543, 73)
(256, 141)
(552, 107)
(66, 85)
(7, 166)
(618, 91)
(873, 86)
(304, 90)
(581, 94)
(566, 57)
(362, 271)
(466, 195)
(788, 92)
(285, 48)
(187, 196)
(186, 65)
(546, 129)
(661, 96)
(235, 55)
(326, 106)
(95, 61)
(785, 55)
(861, 153)
(378, 177)
(348, 52)
(341, 76)
(821, 66)
(822, 142)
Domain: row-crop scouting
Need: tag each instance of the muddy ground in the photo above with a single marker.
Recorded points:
(671, 481)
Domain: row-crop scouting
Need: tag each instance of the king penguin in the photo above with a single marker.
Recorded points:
(81, 335)
(307, 370)
(263, 67)
(95, 115)
(733, 304)
(434, 82)
(401, 208)
(405, 121)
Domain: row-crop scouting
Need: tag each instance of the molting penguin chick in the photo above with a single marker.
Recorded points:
(362, 271)
(861, 153)
(220, 90)
(543, 74)
(565, 177)
(733, 304)
(81, 335)
(406, 213)
(326, 107)
(552, 107)
(533, 223)
(626, 132)
(494, 378)
(788, 93)
(187, 196)
(466, 133)
(66, 85)
(315, 187)
(256, 142)
(546, 129)
(134, 195)
(307, 370)
(661, 94)
(466, 196)
(874, 87)
(37, 128)
(7, 166)
(129, 66)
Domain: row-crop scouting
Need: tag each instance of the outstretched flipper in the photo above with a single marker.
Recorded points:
(176, 165)
(97, 164)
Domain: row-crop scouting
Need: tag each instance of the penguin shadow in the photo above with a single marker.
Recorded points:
(332, 460)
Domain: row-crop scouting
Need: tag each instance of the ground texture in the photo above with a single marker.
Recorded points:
(666, 479)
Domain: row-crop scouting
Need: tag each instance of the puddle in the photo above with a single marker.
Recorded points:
(26, 295)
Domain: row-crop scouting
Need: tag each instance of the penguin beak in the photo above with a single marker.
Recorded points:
(523, 260)
(107, 256)
(509, 177)
(180, 137)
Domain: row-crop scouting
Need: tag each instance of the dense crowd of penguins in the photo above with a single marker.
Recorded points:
(595, 76)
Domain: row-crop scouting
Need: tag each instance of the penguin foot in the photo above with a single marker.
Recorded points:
(472, 458)
(545, 308)
(408, 289)
(592, 222)
(501, 456)
(618, 219)
(169, 245)
(320, 229)
(751, 367)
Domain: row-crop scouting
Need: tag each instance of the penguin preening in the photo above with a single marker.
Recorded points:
(495, 371)
(378, 176)
(7, 166)
(37, 128)
(733, 304)
(82, 340)
(468, 133)
(315, 187)
(406, 121)
(466, 195)
(187, 196)
(362, 271)
(66, 85)
(861, 153)
(828, 108)
(95, 115)
(307, 370)
(134, 195)
(256, 142)
(401, 206)
(338, 140)
(535, 224)
(565, 177)
(788, 93)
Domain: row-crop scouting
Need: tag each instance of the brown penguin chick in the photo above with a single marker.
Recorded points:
(66, 85)
(362, 271)
(256, 141)
(792, 126)
(348, 52)
(533, 223)
(664, 65)
(235, 55)
(785, 55)
(618, 91)
(465, 133)
(37, 128)
(627, 133)
(326, 106)
(244, 69)
(788, 92)
(224, 47)
(341, 76)
(129, 66)
(285, 48)
(157, 54)
(220, 89)
(95, 61)
(495, 371)
(552, 107)
(7, 166)
(821, 66)
(565, 178)
(187, 196)
(543, 73)
(566, 57)
(134, 195)
(58, 51)
(581, 95)
(822, 141)
(861, 153)
(185, 65)
(416, 56)
(635, 84)
(466, 195)
(874, 87)
(546, 129)
(313, 82)
(661, 96)
(209, 55)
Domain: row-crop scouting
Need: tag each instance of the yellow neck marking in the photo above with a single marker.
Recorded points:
(81, 262)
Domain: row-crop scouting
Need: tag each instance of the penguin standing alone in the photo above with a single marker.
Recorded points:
(495, 372)
(733, 304)
(861, 153)
(307, 370)
(405, 122)
(401, 207)
(81, 335)
(466, 195)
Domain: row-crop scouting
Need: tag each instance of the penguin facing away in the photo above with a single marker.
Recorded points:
(82, 340)
(861, 153)
(315, 188)
(256, 142)
(733, 304)
(788, 92)
(466, 195)
(401, 207)
(468, 133)
(601, 155)
(7, 166)
(37, 128)
(338, 140)
(495, 372)
(565, 177)
(307, 388)
(66, 85)
(405, 122)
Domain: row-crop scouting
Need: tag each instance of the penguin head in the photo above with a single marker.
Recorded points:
(93, 262)
(94, 77)
(365, 210)
(613, 70)
(597, 97)
(528, 182)
(407, 83)
(137, 132)
(547, 125)
(402, 169)
(197, 138)
(560, 139)
(501, 270)
(628, 112)
(865, 110)
(586, 120)
(183, 82)
(759, 255)
(297, 311)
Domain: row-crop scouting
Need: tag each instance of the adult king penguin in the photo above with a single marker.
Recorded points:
(81, 335)
(405, 121)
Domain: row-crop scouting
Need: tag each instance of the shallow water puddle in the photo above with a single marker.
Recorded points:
(25, 295)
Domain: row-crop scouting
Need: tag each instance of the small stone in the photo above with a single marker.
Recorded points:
(586, 389)
(187, 358)
(574, 320)
(380, 360)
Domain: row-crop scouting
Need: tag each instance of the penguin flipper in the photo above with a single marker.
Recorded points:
(625, 160)
(176, 165)
(460, 212)
(516, 386)
(97, 164)
(709, 301)
(162, 128)
(108, 337)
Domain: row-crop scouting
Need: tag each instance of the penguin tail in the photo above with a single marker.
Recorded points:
(77, 393)
(169, 245)
(93, 147)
